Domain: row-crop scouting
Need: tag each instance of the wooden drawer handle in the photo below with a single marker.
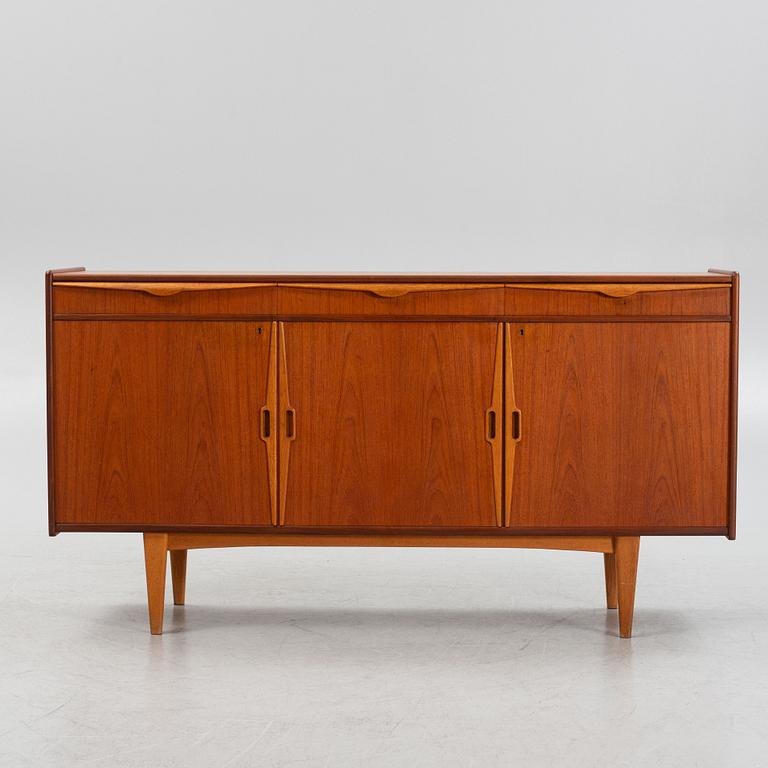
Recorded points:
(164, 289)
(617, 290)
(392, 290)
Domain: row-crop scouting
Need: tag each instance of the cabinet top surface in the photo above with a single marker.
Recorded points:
(82, 275)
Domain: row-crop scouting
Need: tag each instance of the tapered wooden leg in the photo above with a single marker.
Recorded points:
(179, 574)
(626, 549)
(156, 563)
(611, 593)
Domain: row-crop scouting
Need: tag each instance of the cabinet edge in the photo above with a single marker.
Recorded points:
(49, 400)
(319, 533)
(733, 420)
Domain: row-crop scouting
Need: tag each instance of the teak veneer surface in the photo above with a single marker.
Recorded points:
(405, 442)
(158, 423)
(81, 294)
(69, 299)
(626, 424)
(708, 300)
(440, 299)
(390, 424)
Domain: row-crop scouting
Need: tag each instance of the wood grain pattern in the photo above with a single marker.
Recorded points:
(626, 549)
(82, 298)
(560, 299)
(630, 424)
(163, 288)
(158, 423)
(614, 290)
(185, 541)
(388, 301)
(391, 290)
(391, 422)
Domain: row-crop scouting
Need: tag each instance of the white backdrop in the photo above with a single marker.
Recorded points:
(425, 136)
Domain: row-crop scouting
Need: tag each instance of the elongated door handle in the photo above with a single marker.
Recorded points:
(512, 423)
(494, 425)
(267, 426)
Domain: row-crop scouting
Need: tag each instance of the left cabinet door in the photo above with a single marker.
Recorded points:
(162, 423)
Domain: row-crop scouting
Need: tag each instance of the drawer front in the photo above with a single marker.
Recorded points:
(618, 299)
(166, 298)
(391, 299)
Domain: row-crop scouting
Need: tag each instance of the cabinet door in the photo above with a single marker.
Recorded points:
(158, 423)
(624, 425)
(389, 425)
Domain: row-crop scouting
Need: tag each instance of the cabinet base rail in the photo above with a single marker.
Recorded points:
(620, 554)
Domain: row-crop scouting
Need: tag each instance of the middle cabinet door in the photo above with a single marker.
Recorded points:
(390, 424)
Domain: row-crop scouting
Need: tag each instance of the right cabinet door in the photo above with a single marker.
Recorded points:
(623, 425)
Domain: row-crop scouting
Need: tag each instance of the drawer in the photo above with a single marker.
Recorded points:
(164, 298)
(618, 299)
(391, 299)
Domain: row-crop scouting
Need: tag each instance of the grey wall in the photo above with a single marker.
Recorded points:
(374, 136)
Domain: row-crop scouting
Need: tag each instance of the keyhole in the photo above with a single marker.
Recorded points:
(522, 331)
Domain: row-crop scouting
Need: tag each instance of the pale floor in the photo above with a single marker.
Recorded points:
(374, 657)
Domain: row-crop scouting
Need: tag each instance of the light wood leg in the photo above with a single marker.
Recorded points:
(156, 562)
(179, 574)
(626, 550)
(611, 592)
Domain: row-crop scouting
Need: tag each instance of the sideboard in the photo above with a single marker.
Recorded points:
(570, 411)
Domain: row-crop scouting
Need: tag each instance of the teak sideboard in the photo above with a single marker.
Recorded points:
(551, 411)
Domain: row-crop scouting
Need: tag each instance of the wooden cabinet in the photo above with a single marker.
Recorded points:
(570, 412)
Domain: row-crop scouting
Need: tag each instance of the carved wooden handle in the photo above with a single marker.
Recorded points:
(288, 415)
(491, 422)
(392, 290)
(617, 290)
(267, 426)
(163, 289)
(512, 428)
